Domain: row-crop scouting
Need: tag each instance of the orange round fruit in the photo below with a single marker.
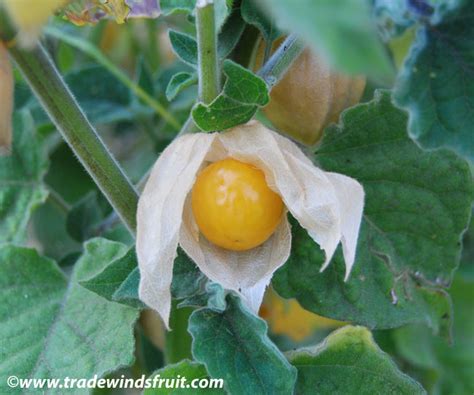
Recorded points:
(233, 206)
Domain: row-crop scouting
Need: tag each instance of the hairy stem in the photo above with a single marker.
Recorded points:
(209, 85)
(46, 82)
(279, 63)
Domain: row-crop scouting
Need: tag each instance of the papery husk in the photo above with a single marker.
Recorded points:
(309, 194)
(6, 101)
(310, 96)
(159, 217)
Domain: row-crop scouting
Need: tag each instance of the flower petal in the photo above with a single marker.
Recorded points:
(159, 216)
(351, 205)
(246, 272)
(306, 190)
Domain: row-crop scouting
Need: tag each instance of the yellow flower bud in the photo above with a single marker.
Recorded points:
(29, 16)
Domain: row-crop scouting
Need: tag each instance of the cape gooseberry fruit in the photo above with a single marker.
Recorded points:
(310, 96)
(233, 206)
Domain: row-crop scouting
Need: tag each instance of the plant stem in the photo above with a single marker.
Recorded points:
(94, 52)
(208, 69)
(278, 64)
(46, 82)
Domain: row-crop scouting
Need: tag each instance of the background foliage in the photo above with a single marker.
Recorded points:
(68, 270)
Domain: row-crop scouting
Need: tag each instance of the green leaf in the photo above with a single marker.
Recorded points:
(145, 78)
(420, 200)
(111, 278)
(416, 208)
(189, 370)
(54, 239)
(342, 31)
(185, 47)
(243, 93)
(21, 180)
(350, 362)
(67, 176)
(395, 16)
(435, 84)
(187, 278)
(467, 259)
(230, 34)
(127, 292)
(120, 278)
(85, 216)
(102, 97)
(253, 14)
(179, 82)
(453, 363)
(374, 295)
(234, 346)
(51, 328)
(222, 8)
(169, 7)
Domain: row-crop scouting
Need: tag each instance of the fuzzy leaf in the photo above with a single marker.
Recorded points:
(169, 7)
(342, 31)
(230, 34)
(184, 46)
(186, 49)
(221, 7)
(453, 362)
(71, 324)
(467, 259)
(102, 97)
(21, 177)
(253, 14)
(119, 280)
(83, 219)
(233, 344)
(349, 362)
(188, 369)
(436, 84)
(179, 82)
(417, 207)
(111, 278)
(127, 292)
(243, 93)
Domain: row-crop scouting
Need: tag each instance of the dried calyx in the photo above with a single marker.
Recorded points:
(310, 96)
(328, 205)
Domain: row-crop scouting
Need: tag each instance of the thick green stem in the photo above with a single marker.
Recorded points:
(279, 63)
(43, 77)
(209, 85)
